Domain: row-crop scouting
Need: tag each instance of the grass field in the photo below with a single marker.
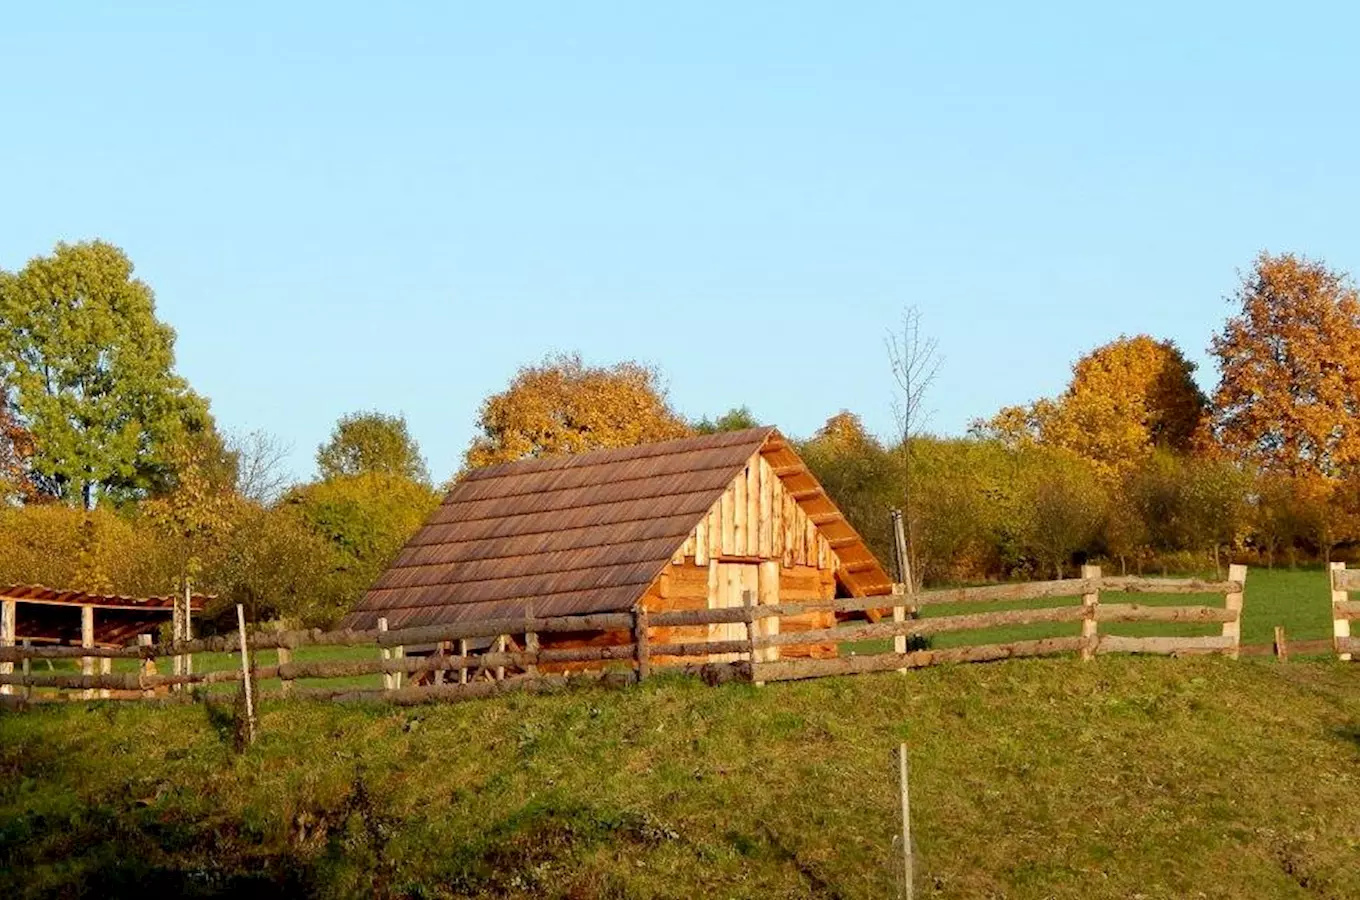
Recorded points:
(1125, 777)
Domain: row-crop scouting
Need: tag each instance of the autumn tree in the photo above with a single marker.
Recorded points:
(371, 442)
(92, 372)
(1125, 399)
(16, 450)
(1288, 398)
(564, 406)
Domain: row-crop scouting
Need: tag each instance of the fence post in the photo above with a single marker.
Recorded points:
(1233, 601)
(1341, 626)
(245, 672)
(285, 658)
(462, 667)
(640, 641)
(399, 652)
(1090, 602)
(188, 625)
(8, 615)
(146, 666)
(442, 652)
(87, 640)
(176, 635)
(500, 648)
(1281, 650)
(899, 616)
(530, 642)
(385, 655)
(105, 668)
(748, 600)
(28, 669)
(908, 875)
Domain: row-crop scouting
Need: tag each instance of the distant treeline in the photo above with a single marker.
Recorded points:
(116, 478)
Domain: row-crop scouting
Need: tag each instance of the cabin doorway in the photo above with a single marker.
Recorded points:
(728, 583)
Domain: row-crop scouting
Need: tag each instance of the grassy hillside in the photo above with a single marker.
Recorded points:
(1045, 778)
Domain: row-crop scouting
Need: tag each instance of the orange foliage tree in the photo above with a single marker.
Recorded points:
(565, 406)
(1126, 399)
(1289, 396)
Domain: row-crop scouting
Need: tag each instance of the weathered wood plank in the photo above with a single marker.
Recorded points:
(1347, 609)
(1113, 643)
(1129, 612)
(791, 669)
(1344, 579)
(934, 625)
(1134, 585)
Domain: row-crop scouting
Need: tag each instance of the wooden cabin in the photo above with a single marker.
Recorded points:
(682, 524)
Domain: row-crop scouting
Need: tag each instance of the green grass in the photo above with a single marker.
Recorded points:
(1123, 777)
(1298, 599)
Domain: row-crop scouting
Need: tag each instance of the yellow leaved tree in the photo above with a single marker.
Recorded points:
(564, 406)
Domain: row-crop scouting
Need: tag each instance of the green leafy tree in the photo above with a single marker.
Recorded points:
(92, 373)
(738, 418)
(365, 519)
(371, 443)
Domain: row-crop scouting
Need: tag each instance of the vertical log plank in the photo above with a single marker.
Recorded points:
(500, 648)
(385, 654)
(28, 670)
(767, 585)
(87, 640)
(285, 684)
(1233, 602)
(748, 600)
(531, 643)
(1341, 627)
(1090, 631)
(462, 669)
(640, 641)
(9, 614)
(146, 666)
(1281, 649)
(105, 668)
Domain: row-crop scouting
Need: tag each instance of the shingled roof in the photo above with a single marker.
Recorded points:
(566, 534)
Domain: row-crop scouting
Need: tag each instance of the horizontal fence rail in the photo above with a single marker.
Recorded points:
(525, 653)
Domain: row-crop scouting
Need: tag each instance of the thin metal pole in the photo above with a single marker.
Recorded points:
(907, 873)
(245, 671)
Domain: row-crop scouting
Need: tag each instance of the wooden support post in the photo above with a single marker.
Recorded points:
(285, 684)
(640, 640)
(87, 640)
(245, 672)
(767, 584)
(28, 670)
(530, 643)
(389, 683)
(1090, 629)
(147, 666)
(748, 600)
(908, 873)
(462, 653)
(1281, 649)
(1341, 626)
(500, 648)
(398, 652)
(1233, 602)
(9, 612)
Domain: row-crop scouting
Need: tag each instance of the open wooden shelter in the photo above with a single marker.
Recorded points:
(46, 615)
(695, 523)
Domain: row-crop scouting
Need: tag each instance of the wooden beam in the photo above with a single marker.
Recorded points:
(807, 493)
(87, 640)
(8, 615)
(787, 471)
(825, 517)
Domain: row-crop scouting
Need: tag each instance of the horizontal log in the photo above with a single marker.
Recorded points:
(788, 670)
(1169, 646)
(20, 653)
(452, 693)
(724, 616)
(932, 625)
(1346, 579)
(698, 648)
(1348, 610)
(1134, 585)
(994, 593)
(1349, 645)
(1129, 612)
(711, 673)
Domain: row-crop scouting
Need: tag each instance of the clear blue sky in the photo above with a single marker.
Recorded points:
(394, 206)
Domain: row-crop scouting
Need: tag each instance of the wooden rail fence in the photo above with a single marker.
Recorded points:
(514, 656)
(1344, 610)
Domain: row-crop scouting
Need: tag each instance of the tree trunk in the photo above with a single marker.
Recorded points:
(1123, 564)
